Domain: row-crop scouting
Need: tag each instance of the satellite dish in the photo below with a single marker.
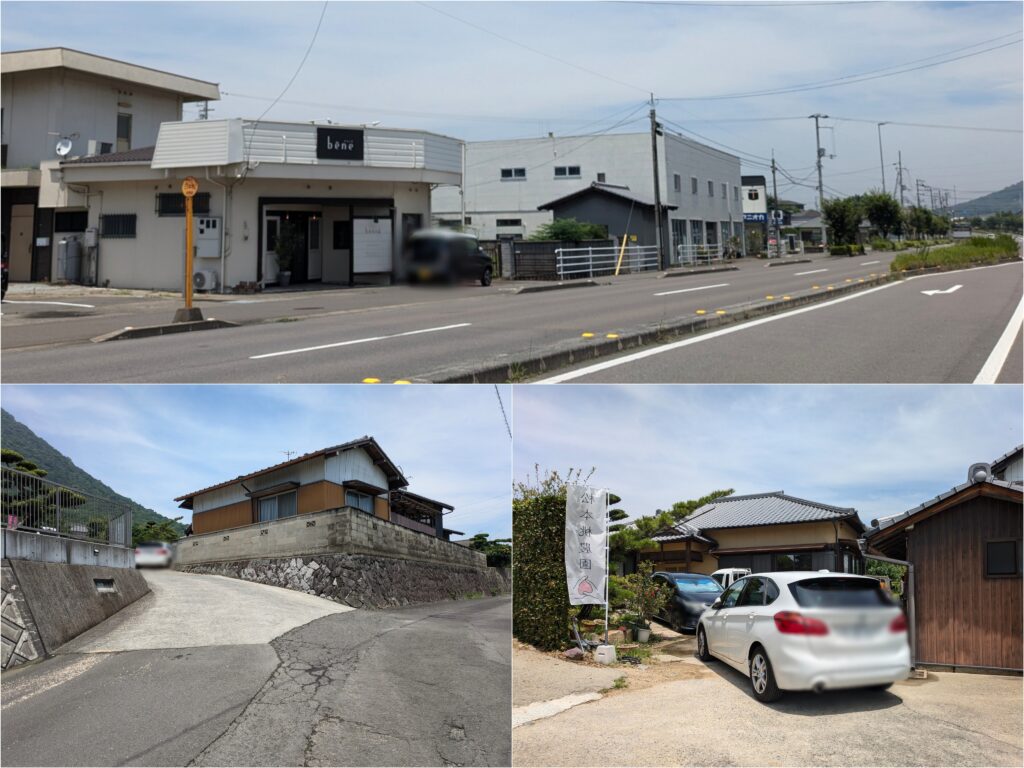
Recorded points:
(64, 147)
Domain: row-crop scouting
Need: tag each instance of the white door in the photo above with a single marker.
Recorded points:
(372, 245)
(718, 622)
(271, 227)
(315, 270)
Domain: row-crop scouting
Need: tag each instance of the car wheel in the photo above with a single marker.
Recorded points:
(703, 653)
(485, 277)
(762, 679)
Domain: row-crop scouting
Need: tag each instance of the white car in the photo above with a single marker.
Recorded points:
(153, 554)
(807, 631)
(726, 576)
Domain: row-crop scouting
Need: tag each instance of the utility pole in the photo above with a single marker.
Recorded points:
(881, 158)
(917, 183)
(899, 176)
(775, 196)
(657, 186)
(821, 183)
(462, 192)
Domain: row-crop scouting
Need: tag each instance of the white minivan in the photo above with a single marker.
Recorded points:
(726, 576)
(807, 631)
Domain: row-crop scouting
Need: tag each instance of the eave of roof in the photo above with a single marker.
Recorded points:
(138, 155)
(1005, 458)
(610, 190)
(848, 514)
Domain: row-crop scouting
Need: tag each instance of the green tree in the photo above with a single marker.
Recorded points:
(163, 530)
(920, 221)
(883, 211)
(570, 230)
(20, 463)
(648, 596)
(896, 573)
(843, 216)
(498, 551)
(635, 537)
(291, 241)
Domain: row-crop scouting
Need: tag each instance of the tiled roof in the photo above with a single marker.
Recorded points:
(681, 531)
(613, 190)
(887, 522)
(766, 509)
(140, 155)
(1006, 457)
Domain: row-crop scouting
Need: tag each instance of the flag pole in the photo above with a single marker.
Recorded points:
(607, 567)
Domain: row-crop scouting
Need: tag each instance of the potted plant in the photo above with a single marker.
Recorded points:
(289, 246)
(649, 597)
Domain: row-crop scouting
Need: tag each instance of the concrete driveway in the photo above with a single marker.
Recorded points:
(947, 720)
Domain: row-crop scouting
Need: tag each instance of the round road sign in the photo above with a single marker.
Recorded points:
(189, 186)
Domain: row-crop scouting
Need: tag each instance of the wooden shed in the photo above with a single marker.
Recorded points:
(965, 546)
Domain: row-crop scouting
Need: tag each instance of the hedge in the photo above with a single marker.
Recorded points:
(845, 250)
(540, 599)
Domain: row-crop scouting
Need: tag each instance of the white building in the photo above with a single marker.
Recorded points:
(505, 182)
(755, 213)
(353, 192)
(89, 105)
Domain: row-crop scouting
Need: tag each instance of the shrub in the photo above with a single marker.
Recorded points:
(845, 250)
(977, 250)
(880, 244)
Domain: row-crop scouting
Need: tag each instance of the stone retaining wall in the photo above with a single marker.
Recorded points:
(362, 581)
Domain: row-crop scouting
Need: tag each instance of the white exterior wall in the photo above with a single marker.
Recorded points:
(354, 464)
(1014, 470)
(624, 159)
(305, 472)
(63, 101)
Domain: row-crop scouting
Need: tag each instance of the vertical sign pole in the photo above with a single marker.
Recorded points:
(607, 567)
(188, 252)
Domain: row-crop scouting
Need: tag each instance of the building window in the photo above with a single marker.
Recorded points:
(677, 182)
(711, 188)
(117, 225)
(278, 507)
(360, 501)
(70, 221)
(124, 132)
(753, 194)
(693, 185)
(509, 223)
(449, 223)
(797, 561)
(468, 220)
(736, 194)
(600, 178)
(1002, 558)
(725, 191)
(173, 204)
(510, 174)
(341, 239)
(567, 171)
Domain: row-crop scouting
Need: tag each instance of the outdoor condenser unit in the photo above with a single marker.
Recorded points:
(204, 280)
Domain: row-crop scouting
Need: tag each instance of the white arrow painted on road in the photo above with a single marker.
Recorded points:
(948, 290)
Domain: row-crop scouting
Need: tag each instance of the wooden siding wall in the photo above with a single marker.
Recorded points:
(230, 516)
(380, 508)
(312, 497)
(964, 618)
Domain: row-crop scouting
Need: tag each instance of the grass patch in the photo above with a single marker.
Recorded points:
(473, 596)
(620, 682)
(287, 320)
(977, 250)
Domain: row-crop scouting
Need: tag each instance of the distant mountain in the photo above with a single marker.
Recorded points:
(1009, 199)
(60, 469)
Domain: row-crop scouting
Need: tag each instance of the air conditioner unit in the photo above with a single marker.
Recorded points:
(97, 147)
(204, 280)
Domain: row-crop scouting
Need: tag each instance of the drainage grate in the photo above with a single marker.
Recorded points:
(104, 585)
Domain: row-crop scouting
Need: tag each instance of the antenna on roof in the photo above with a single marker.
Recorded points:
(288, 454)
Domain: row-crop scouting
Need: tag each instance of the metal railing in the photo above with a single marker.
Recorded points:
(573, 263)
(691, 254)
(37, 505)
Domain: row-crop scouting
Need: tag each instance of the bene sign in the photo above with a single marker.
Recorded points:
(339, 144)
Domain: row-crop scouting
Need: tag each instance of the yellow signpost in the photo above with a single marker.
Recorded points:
(189, 187)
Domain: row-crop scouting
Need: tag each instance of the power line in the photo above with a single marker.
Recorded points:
(740, 4)
(502, 405)
(537, 51)
(859, 77)
(929, 125)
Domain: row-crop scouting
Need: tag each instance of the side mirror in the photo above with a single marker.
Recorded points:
(717, 604)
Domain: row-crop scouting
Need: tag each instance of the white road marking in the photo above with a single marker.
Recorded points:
(541, 709)
(26, 688)
(812, 272)
(688, 290)
(359, 341)
(602, 366)
(937, 292)
(869, 263)
(52, 303)
(1001, 351)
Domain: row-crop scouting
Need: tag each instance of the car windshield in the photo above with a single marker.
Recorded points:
(426, 249)
(839, 593)
(703, 584)
(151, 544)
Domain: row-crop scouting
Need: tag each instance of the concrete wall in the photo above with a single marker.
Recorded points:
(64, 600)
(346, 531)
(22, 545)
(364, 581)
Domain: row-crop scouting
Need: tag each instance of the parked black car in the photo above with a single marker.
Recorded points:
(691, 594)
(446, 256)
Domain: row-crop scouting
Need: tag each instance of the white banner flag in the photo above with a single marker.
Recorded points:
(585, 521)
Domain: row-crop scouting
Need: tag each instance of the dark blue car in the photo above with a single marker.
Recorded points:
(691, 594)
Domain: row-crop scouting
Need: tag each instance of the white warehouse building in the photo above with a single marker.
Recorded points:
(506, 182)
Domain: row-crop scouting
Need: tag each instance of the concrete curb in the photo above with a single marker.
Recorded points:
(552, 287)
(706, 271)
(544, 709)
(571, 351)
(146, 331)
(790, 261)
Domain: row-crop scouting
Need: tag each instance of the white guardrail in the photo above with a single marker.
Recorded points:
(596, 262)
(699, 254)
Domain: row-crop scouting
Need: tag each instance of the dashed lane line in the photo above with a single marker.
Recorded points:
(689, 290)
(359, 341)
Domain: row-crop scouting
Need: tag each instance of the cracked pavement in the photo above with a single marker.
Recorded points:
(426, 685)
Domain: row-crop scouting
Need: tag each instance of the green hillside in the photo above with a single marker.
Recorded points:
(61, 469)
(1008, 200)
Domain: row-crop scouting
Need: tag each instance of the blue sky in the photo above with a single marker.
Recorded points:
(880, 449)
(409, 64)
(153, 443)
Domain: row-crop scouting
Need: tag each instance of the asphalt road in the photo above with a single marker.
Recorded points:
(178, 679)
(388, 333)
(946, 720)
(923, 329)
